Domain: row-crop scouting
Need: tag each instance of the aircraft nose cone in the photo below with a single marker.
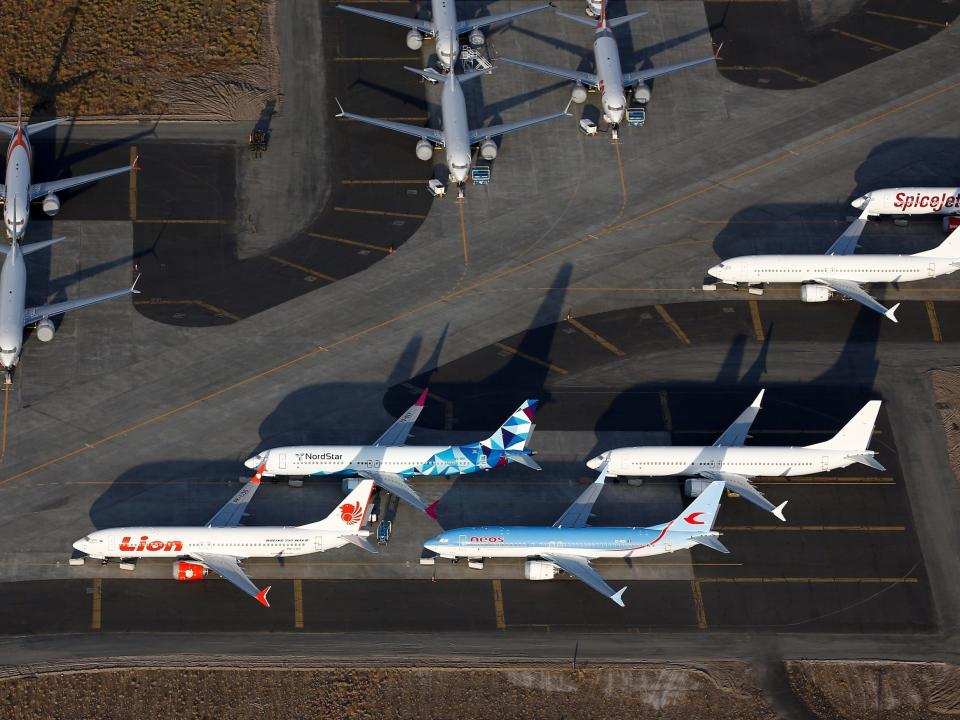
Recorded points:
(254, 462)
(594, 463)
(715, 271)
(859, 202)
(79, 545)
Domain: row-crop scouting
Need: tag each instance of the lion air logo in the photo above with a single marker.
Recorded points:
(691, 519)
(350, 512)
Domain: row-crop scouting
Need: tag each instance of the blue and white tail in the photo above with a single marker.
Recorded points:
(515, 433)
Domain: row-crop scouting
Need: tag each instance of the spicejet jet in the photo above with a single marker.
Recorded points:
(728, 460)
(388, 462)
(910, 201)
(569, 544)
(222, 543)
(17, 192)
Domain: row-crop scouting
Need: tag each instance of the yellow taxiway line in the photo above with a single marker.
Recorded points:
(344, 241)
(386, 213)
(698, 604)
(97, 604)
(672, 324)
(302, 268)
(498, 605)
(934, 321)
(530, 358)
(755, 317)
(596, 337)
(867, 41)
(298, 604)
(199, 303)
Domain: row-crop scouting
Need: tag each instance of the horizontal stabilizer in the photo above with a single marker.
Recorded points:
(523, 459)
(578, 18)
(360, 542)
(616, 22)
(778, 511)
(889, 314)
(428, 74)
(34, 128)
(712, 542)
(617, 597)
(868, 460)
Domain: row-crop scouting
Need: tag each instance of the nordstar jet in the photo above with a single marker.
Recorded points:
(455, 137)
(729, 460)
(609, 77)
(444, 27)
(569, 544)
(840, 271)
(18, 192)
(223, 542)
(389, 461)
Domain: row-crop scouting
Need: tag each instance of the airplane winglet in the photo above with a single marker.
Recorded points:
(716, 55)
(432, 509)
(566, 110)
(617, 597)
(756, 403)
(422, 400)
(135, 165)
(778, 511)
(890, 313)
(133, 288)
(262, 596)
(342, 111)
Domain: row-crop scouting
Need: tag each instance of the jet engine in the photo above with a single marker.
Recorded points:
(692, 487)
(579, 94)
(476, 38)
(641, 93)
(45, 330)
(814, 293)
(414, 40)
(183, 570)
(539, 570)
(488, 150)
(424, 150)
(51, 204)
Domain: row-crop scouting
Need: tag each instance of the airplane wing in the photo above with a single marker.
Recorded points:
(228, 567)
(424, 133)
(398, 433)
(737, 434)
(847, 242)
(741, 485)
(581, 77)
(231, 514)
(504, 128)
(465, 26)
(393, 483)
(32, 315)
(640, 76)
(578, 514)
(853, 291)
(416, 23)
(40, 189)
(581, 570)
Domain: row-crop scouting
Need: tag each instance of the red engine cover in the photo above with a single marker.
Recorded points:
(183, 570)
(951, 223)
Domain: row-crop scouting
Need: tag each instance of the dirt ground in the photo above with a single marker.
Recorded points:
(946, 393)
(205, 59)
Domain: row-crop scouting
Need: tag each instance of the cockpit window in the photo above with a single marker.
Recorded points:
(4, 350)
(460, 166)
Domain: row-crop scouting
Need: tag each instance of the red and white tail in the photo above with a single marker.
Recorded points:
(348, 517)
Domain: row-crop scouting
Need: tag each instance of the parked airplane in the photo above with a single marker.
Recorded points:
(456, 137)
(15, 315)
(388, 461)
(222, 543)
(445, 27)
(840, 271)
(18, 192)
(727, 460)
(609, 77)
(570, 544)
(910, 201)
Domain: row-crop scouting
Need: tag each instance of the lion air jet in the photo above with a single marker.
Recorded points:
(569, 544)
(910, 201)
(222, 543)
(389, 462)
(456, 137)
(18, 192)
(609, 77)
(444, 27)
(727, 460)
(840, 271)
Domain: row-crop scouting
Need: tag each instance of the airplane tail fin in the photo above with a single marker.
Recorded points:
(515, 433)
(855, 435)
(348, 517)
(949, 248)
(699, 516)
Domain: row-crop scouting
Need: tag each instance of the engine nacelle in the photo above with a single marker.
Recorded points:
(951, 223)
(814, 293)
(579, 94)
(539, 570)
(51, 204)
(488, 150)
(45, 330)
(414, 40)
(692, 487)
(424, 150)
(187, 571)
(641, 93)
(476, 38)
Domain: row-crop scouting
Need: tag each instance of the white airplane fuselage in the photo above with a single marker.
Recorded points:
(447, 40)
(16, 207)
(456, 130)
(911, 201)
(690, 461)
(173, 542)
(856, 268)
(13, 296)
(607, 59)
(350, 459)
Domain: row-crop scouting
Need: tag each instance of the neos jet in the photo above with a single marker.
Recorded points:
(456, 137)
(609, 77)
(569, 545)
(18, 192)
(840, 271)
(388, 462)
(445, 27)
(222, 543)
(727, 460)
(15, 315)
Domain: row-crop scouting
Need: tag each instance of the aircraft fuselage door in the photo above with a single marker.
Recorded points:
(932, 269)
(463, 540)
(825, 462)
(282, 464)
